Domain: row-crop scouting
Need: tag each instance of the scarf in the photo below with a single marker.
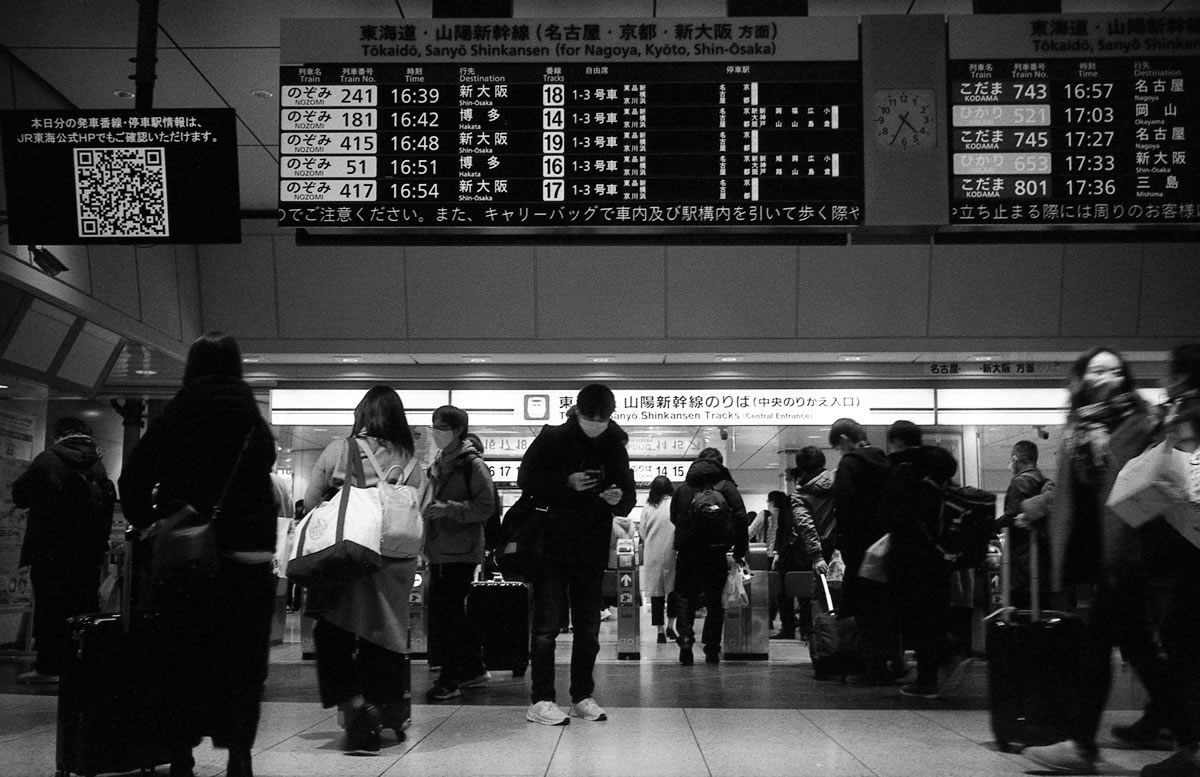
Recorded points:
(1090, 428)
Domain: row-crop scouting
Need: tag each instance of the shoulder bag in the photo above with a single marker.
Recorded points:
(338, 541)
(183, 548)
(402, 528)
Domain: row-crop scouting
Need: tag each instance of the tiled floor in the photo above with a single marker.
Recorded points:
(748, 719)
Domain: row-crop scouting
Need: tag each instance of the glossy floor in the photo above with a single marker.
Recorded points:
(737, 718)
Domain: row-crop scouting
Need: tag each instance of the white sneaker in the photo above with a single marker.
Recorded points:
(588, 709)
(547, 713)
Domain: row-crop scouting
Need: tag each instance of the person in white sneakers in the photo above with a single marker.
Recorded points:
(580, 472)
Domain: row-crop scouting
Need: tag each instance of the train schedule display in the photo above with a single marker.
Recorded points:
(576, 126)
(1075, 120)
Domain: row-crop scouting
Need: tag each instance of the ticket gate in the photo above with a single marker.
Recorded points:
(628, 603)
(746, 636)
(418, 614)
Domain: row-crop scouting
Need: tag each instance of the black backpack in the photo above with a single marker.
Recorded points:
(711, 519)
(966, 525)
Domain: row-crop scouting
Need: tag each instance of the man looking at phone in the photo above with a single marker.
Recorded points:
(580, 471)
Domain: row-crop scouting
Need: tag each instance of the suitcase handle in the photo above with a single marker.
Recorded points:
(825, 590)
(1035, 582)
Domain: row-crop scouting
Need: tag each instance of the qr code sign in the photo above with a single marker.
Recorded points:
(121, 192)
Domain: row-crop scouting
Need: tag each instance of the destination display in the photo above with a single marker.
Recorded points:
(564, 125)
(1075, 120)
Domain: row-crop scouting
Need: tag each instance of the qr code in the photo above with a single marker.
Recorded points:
(121, 192)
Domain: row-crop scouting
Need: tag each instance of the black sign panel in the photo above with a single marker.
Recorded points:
(666, 131)
(1098, 126)
(164, 176)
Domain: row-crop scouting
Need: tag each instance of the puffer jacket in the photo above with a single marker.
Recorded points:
(461, 500)
(813, 525)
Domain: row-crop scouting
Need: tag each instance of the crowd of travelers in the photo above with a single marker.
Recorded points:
(1136, 587)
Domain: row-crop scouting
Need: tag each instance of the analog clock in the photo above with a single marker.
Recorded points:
(905, 119)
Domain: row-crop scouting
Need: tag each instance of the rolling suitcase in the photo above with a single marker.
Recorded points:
(834, 646)
(500, 611)
(109, 701)
(1033, 663)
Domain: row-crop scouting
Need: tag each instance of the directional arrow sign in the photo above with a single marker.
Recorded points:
(626, 580)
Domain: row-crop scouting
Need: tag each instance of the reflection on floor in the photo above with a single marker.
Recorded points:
(737, 718)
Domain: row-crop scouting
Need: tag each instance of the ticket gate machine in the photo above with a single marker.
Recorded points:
(628, 603)
(747, 637)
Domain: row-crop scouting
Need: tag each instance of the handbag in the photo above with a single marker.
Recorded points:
(1149, 485)
(874, 564)
(338, 541)
(184, 566)
(402, 530)
(519, 554)
(733, 595)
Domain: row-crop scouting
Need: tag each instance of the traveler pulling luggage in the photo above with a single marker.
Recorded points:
(109, 698)
(500, 611)
(1033, 661)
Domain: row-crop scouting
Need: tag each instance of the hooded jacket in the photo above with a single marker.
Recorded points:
(70, 501)
(813, 528)
(702, 474)
(857, 489)
(454, 533)
(191, 449)
(578, 527)
(911, 508)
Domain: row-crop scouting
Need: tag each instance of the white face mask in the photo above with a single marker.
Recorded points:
(592, 429)
(443, 439)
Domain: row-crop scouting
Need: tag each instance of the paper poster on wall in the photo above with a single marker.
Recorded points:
(15, 590)
(16, 435)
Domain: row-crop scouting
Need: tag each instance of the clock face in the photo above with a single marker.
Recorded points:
(905, 119)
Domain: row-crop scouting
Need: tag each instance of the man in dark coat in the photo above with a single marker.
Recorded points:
(580, 471)
(700, 565)
(70, 501)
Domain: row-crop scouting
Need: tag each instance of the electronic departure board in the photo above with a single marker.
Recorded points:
(579, 126)
(1073, 120)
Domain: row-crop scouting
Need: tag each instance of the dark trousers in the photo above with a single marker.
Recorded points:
(349, 666)
(701, 572)
(1119, 618)
(923, 595)
(558, 590)
(217, 660)
(787, 562)
(61, 590)
(663, 607)
(459, 645)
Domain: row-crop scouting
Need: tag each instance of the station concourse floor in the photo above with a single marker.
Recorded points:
(739, 718)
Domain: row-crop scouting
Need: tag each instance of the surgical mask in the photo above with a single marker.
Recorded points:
(443, 439)
(592, 429)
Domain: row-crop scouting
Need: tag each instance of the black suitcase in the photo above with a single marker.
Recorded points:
(1033, 667)
(834, 646)
(500, 611)
(110, 713)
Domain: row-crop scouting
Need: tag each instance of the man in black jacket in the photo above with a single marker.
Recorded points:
(70, 501)
(580, 471)
(700, 566)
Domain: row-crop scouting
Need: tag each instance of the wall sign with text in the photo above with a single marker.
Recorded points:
(577, 126)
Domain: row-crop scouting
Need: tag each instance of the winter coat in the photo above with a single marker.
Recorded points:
(70, 501)
(702, 474)
(190, 450)
(578, 527)
(812, 535)
(1120, 545)
(454, 532)
(857, 488)
(911, 508)
(658, 551)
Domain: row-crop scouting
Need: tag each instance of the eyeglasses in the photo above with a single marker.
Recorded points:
(442, 427)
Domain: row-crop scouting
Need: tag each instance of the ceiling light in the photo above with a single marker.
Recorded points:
(262, 94)
(145, 372)
(123, 94)
(350, 359)
(251, 360)
(729, 358)
(3, 386)
(599, 359)
(983, 357)
(850, 357)
(478, 359)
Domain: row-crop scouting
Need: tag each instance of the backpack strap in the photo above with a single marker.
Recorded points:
(406, 471)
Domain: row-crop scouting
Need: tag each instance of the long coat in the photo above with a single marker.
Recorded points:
(658, 551)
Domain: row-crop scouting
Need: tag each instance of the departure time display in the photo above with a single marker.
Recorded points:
(584, 126)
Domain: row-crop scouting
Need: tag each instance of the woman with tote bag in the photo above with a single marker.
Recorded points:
(361, 634)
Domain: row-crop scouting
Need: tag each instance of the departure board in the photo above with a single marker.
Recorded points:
(576, 126)
(1075, 120)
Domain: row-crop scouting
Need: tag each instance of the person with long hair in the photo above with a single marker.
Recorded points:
(1108, 424)
(658, 557)
(361, 634)
(217, 650)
